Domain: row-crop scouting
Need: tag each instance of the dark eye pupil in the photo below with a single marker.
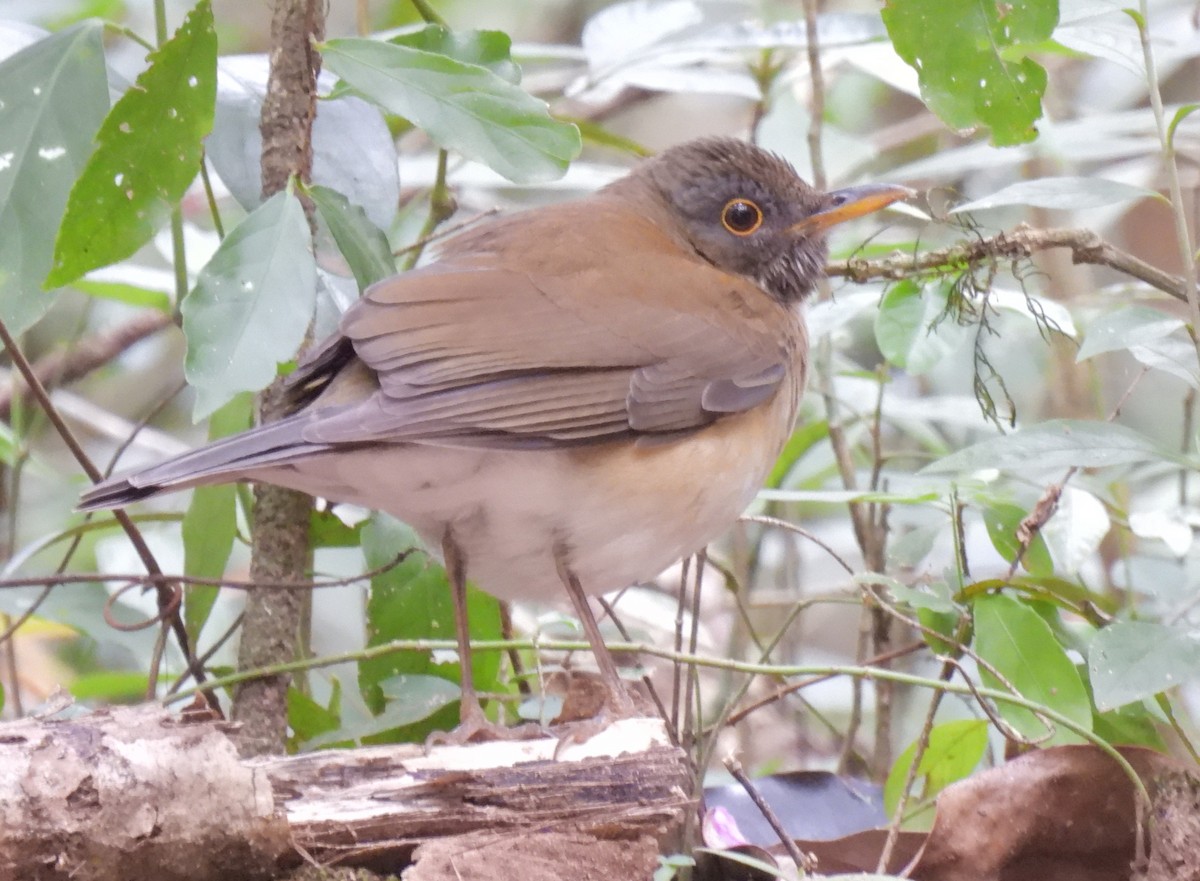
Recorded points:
(741, 216)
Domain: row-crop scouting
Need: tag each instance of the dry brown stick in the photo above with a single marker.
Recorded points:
(88, 354)
(803, 862)
(1018, 243)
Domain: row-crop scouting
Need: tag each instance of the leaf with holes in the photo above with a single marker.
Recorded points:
(148, 152)
(964, 61)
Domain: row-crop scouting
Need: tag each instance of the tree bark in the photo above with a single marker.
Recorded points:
(138, 793)
(272, 630)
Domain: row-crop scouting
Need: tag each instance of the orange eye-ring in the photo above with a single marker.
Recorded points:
(741, 216)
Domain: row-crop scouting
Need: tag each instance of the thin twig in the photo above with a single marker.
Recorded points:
(85, 355)
(441, 207)
(158, 578)
(802, 861)
(164, 592)
(1019, 243)
(816, 109)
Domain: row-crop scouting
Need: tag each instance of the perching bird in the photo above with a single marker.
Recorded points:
(573, 396)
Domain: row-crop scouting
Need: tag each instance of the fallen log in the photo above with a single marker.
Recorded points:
(137, 792)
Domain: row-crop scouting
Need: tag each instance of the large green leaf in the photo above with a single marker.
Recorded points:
(53, 97)
(251, 304)
(148, 152)
(1059, 443)
(952, 752)
(964, 57)
(1133, 660)
(361, 242)
(412, 601)
(1020, 645)
(462, 106)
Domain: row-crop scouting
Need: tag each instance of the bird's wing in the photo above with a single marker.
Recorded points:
(577, 343)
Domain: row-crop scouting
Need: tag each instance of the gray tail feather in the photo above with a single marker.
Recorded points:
(225, 460)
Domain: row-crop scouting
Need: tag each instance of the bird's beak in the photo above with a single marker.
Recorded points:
(851, 202)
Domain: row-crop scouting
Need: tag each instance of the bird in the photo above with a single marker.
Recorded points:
(571, 397)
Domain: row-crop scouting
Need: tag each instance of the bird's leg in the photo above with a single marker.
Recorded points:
(619, 700)
(473, 725)
(470, 713)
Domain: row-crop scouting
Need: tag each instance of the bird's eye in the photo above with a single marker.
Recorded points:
(741, 217)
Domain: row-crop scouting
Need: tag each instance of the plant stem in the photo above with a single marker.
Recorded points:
(1183, 239)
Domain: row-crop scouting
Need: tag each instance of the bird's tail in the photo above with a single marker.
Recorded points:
(229, 459)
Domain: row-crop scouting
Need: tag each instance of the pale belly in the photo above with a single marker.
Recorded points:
(620, 513)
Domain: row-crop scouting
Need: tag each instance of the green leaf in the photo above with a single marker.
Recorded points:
(959, 55)
(1002, 521)
(210, 524)
(934, 596)
(490, 49)
(9, 445)
(805, 436)
(327, 530)
(110, 686)
(939, 625)
(1064, 193)
(148, 152)
(1132, 660)
(129, 294)
(1059, 443)
(53, 97)
(1174, 354)
(597, 135)
(412, 601)
(953, 752)
(1124, 327)
(1131, 725)
(361, 242)
(251, 305)
(1180, 115)
(912, 329)
(463, 107)
(1020, 645)
(307, 718)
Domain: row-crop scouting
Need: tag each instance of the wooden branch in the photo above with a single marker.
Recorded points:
(137, 793)
(77, 361)
(1016, 244)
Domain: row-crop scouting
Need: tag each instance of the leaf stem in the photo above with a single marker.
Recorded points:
(1187, 251)
(428, 13)
(441, 207)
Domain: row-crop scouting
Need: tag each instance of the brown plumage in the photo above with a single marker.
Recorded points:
(583, 392)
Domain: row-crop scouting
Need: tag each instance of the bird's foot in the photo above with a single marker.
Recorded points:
(475, 727)
(590, 706)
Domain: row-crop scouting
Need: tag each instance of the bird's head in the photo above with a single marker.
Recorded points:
(746, 211)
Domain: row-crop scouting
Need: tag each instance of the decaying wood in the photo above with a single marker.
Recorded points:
(136, 792)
